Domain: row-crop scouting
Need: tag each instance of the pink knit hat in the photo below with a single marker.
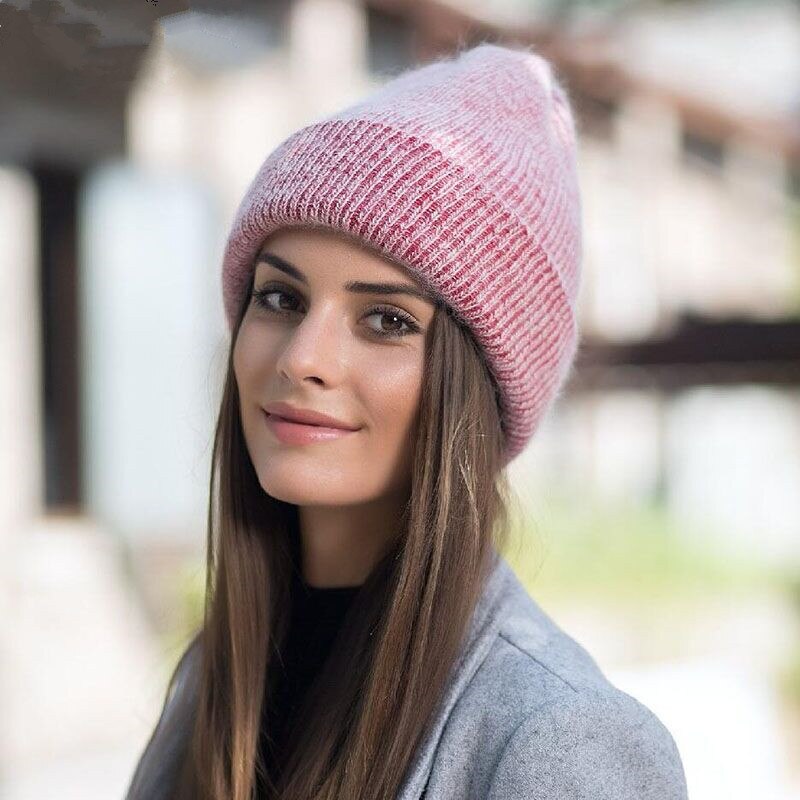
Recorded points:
(464, 171)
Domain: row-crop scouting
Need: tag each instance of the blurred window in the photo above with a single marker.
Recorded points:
(702, 151)
(597, 114)
(390, 43)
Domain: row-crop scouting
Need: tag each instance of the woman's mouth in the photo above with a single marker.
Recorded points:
(289, 432)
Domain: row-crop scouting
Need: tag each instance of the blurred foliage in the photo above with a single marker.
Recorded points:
(789, 673)
(627, 555)
(793, 210)
(789, 680)
(187, 609)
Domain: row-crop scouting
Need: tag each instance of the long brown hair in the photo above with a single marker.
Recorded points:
(369, 707)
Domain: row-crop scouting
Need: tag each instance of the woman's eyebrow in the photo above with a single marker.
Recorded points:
(361, 287)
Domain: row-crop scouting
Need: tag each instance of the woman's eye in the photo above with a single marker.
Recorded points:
(261, 297)
(400, 323)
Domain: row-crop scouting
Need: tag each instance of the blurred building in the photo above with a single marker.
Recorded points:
(690, 166)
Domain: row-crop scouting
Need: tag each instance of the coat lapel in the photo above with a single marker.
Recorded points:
(483, 628)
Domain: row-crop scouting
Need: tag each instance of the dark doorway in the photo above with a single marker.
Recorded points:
(57, 188)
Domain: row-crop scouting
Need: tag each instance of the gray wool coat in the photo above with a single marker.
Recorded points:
(527, 714)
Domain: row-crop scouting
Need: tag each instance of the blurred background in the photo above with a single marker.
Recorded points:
(658, 519)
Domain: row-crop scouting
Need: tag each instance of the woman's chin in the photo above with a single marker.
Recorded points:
(305, 486)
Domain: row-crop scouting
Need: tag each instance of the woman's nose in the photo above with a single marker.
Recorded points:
(316, 345)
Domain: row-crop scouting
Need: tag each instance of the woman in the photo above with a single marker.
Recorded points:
(407, 268)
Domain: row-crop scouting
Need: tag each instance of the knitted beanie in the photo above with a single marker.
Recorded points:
(464, 171)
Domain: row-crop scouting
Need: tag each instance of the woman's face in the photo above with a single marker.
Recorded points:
(320, 336)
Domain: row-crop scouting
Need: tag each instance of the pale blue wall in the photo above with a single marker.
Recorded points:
(153, 348)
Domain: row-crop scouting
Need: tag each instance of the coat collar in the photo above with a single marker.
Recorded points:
(484, 625)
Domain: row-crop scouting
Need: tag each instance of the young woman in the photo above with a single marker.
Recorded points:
(400, 283)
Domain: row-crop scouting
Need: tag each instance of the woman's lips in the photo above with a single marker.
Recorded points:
(298, 433)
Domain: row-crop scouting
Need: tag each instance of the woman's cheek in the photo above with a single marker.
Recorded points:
(395, 392)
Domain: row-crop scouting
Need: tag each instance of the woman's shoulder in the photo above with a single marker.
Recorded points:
(591, 742)
(532, 650)
(555, 724)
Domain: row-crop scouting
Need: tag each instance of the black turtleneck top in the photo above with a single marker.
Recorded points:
(316, 616)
